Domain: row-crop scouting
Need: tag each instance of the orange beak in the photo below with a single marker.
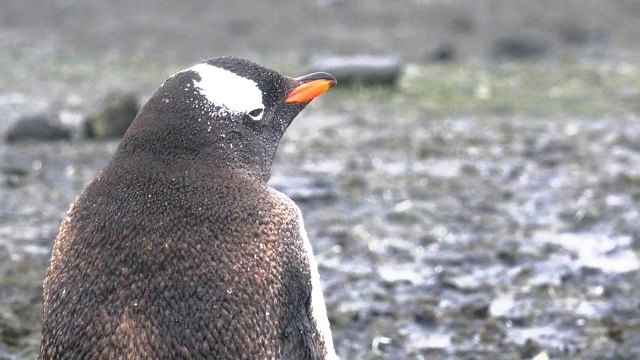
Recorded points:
(310, 87)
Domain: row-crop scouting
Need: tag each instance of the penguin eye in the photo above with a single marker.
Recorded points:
(256, 114)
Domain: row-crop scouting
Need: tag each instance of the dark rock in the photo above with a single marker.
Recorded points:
(475, 310)
(445, 52)
(42, 126)
(493, 331)
(573, 33)
(354, 185)
(15, 169)
(471, 170)
(361, 70)
(426, 316)
(614, 331)
(11, 331)
(19, 165)
(519, 47)
(589, 271)
(114, 115)
(508, 253)
(530, 348)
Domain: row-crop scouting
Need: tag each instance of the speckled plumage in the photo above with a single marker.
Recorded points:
(179, 249)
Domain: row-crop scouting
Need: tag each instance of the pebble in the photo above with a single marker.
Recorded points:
(407, 212)
(541, 356)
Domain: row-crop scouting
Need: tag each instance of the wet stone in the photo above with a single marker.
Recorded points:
(508, 253)
(354, 185)
(425, 310)
(407, 212)
(573, 33)
(393, 275)
(11, 331)
(629, 178)
(585, 272)
(19, 165)
(42, 126)
(519, 47)
(507, 307)
(347, 239)
(16, 168)
(444, 52)
(614, 331)
(475, 310)
(581, 217)
(530, 349)
(350, 312)
(426, 316)
(361, 70)
(114, 115)
(493, 331)
(400, 250)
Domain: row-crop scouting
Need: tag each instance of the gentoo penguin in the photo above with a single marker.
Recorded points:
(179, 249)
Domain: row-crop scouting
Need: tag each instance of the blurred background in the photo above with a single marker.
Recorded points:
(471, 187)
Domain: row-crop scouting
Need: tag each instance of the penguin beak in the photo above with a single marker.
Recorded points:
(310, 86)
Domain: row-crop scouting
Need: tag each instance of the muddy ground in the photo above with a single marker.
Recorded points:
(479, 210)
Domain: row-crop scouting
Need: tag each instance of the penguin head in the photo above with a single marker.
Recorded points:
(225, 110)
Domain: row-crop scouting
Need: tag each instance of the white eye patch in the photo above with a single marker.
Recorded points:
(229, 91)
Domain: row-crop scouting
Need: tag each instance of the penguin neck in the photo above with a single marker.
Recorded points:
(155, 141)
(171, 160)
(219, 158)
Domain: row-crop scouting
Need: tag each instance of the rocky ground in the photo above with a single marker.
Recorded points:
(478, 209)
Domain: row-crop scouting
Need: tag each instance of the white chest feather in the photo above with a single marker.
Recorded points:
(318, 307)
